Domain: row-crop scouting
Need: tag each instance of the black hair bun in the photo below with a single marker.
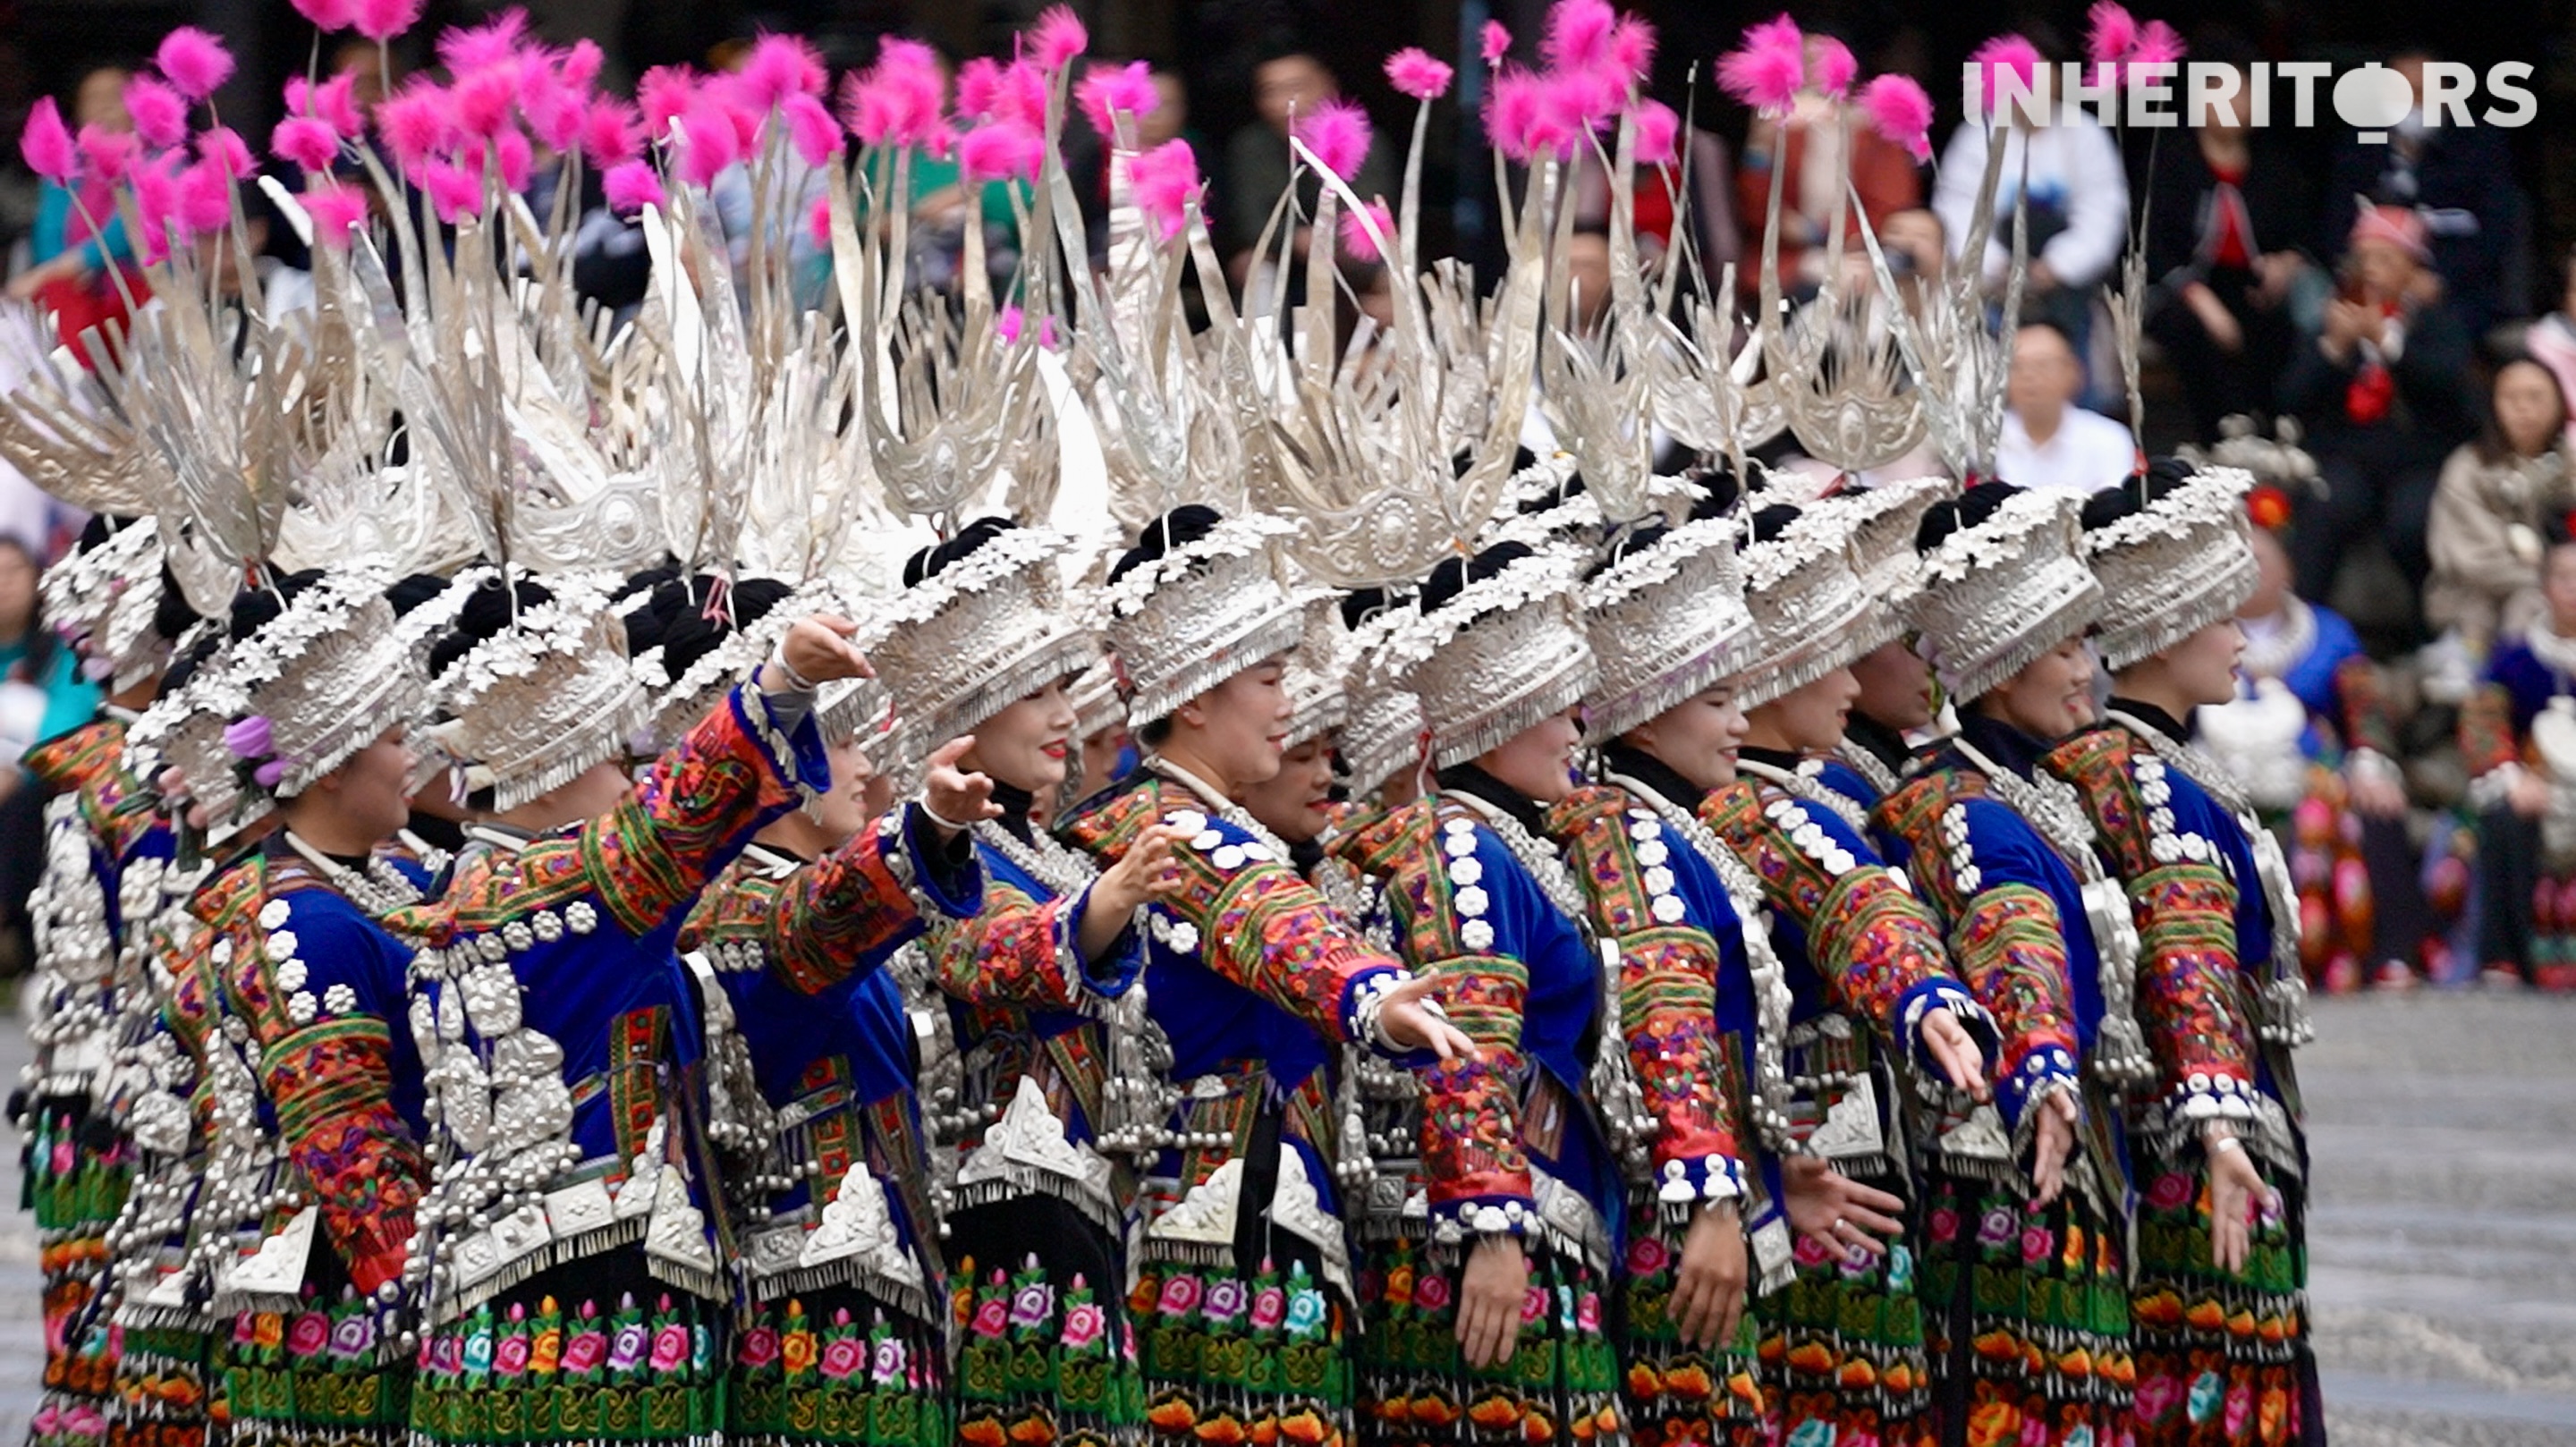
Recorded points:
(687, 634)
(931, 561)
(1547, 499)
(487, 611)
(1719, 492)
(1452, 575)
(173, 614)
(1955, 514)
(411, 591)
(2135, 493)
(1623, 544)
(256, 608)
(1167, 534)
(1359, 605)
(1770, 522)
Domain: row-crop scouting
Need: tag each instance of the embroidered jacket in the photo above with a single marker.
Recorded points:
(2495, 721)
(1381, 1105)
(320, 987)
(1511, 1141)
(2204, 930)
(73, 912)
(558, 1024)
(1254, 980)
(810, 1068)
(2014, 912)
(1032, 1019)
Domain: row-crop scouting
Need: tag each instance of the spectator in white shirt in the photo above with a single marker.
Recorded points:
(2047, 440)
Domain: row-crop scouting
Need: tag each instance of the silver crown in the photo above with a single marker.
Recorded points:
(1095, 700)
(183, 730)
(1811, 614)
(1665, 622)
(104, 599)
(1998, 595)
(1197, 616)
(2173, 568)
(987, 630)
(545, 700)
(1494, 660)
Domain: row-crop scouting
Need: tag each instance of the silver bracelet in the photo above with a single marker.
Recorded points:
(795, 681)
(935, 817)
(2224, 1144)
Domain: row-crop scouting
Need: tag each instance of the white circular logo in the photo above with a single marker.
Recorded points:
(2372, 99)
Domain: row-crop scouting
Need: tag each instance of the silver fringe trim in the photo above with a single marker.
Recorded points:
(901, 1296)
(2068, 618)
(2142, 633)
(1785, 673)
(1554, 694)
(1058, 656)
(582, 747)
(454, 1304)
(1021, 1182)
(1610, 717)
(1272, 633)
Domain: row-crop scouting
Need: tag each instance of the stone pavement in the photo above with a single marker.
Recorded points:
(2443, 1235)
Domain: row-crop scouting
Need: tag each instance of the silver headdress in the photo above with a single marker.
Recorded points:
(1383, 734)
(1094, 696)
(1317, 704)
(1810, 611)
(2173, 568)
(1665, 621)
(676, 704)
(965, 642)
(544, 700)
(104, 599)
(1882, 521)
(1495, 659)
(1189, 620)
(1998, 595)
(330, 674)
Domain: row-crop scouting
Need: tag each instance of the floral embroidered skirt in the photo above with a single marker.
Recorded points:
(2027, 1312)
(1675, 1393)
(590, 1350)
(1842, 1348)
(1560, 1385)
(77, 1171)
(1231, 1358)
(2223, 1361)
(837, 1367)
(1046, 1354)
(161, 1388)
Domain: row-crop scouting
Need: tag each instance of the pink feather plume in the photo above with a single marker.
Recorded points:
(1658, 133)
(1512, 106)
(1006, 151)
(47, 143)
(494, 42)
(454, 192)
(223, 147)
(1057, 38)
(663, 93)
(579, 66)
(899, 100)
(1900, 111)
(612, 132)
(810, 128)
(483, 101)
(1010, 321)
(336, 211)
(818, 223)
(105, 155)
(1338, 133)
(1357, 244)
(514, 158)
(631, 186)
(416, 124)
(1108, 90)
(780, 66)
(553, 109)
(195, 63)
(160, 115)
(1577, 36)
(1414, 71)
(713, 143)
(327, 15)
(1165, 180)
(1835, 70)
(382, 20)
(2011, 53)
(2158, 44)
(2110, 32)
(1767, 71)
(1632, 46)
(1493, 43)
(206, 196)
(156, 204)
(307, 142)
(334, 102)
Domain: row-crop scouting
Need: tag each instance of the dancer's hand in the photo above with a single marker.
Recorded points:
(1407, 1020)
(1836, 1212)
(950, 795)
(1708, 1289)
(1490, 1292)
(2234, 1187)
(2056, 1138)
(1146, 872)
(1955, 1051)
(816, 650)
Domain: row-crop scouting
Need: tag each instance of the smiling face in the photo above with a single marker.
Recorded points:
(1239, 728)
(1538, 762)
(1808, 720)
(843, 810)
(1697, 737)
(2050, 698)
(1295, 803)
(1895, 686)
(2201, 669)
(1027, 744)
(361, 803)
